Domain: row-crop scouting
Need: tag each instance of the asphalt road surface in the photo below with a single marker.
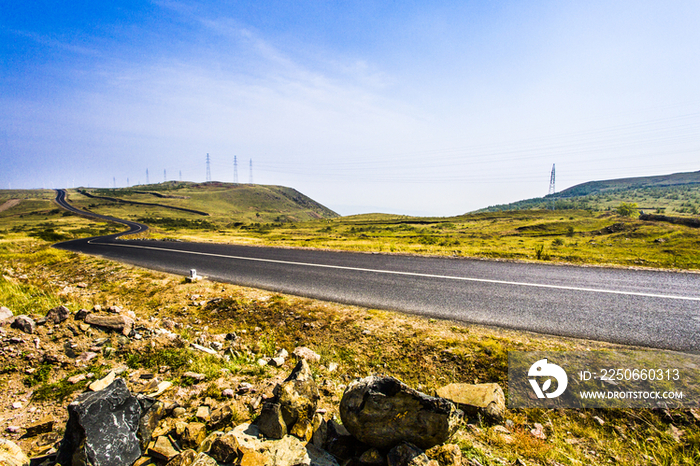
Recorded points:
(637, 307)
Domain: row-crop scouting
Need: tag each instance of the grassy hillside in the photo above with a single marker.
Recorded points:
(224, 202)
(676, 194)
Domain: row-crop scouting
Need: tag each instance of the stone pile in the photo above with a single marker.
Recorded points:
(384, 422)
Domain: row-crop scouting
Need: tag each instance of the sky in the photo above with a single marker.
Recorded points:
(413, 107)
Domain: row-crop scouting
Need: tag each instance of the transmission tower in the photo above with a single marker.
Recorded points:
(165, 177)
(250, 177)
(551, 182)
(235, 170)
(208, 169)
(114, 181)
(180, 175)
(147, 180)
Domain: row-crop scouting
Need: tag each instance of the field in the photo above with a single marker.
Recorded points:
(425, 353)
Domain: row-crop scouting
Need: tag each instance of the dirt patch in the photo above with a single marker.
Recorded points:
(9, 204)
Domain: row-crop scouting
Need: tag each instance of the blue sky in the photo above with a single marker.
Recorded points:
(429, 108)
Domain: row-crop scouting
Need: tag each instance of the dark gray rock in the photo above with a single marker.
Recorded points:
(153, 411)
(101, 428)
(81, 314)
(270, 421)
(407, 454)
(24, 323)
(384, 412)
(57, 314)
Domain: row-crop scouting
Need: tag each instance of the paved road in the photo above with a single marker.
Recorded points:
(646, 308)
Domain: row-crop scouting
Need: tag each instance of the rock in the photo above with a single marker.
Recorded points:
(57, 314)
(24, 323)
(98, 385)
(163, 448)
(227, 392)
(271, 422)
(446, 455)
(283, 353)
(407, 454)
(153, 412)
(203, 459)
(102, 427)
(289, 451)
(320, 431)
(298, 398)
(340, 443)
(87, 356)
(205, 446)
(194, 375)
(40, 427)
(194, 435)
(302, 352)
(11, 454)
(118, 323)
(17, 405)
(5, 315)
(220, 417)
(161, 387)
(538, 431)
(203, 413)
(184, 458)
(486, 399)
(13, 429)
(372, 457)
(276, 362)
(225, 449)
(384, 412)
(179, 411)
(81, 314)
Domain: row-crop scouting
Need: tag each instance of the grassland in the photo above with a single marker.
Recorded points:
(425, 353)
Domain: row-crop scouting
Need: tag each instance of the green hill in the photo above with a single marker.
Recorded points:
(677, 193)
(222, 202)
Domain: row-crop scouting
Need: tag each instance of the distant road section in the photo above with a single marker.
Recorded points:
(134, 227)
(636, 307)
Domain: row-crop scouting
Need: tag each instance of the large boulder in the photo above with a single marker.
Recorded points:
(102, 428)
(384, 412)
(484, 399)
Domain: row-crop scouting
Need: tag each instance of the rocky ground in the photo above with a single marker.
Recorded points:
(185, 417)
(204, 351)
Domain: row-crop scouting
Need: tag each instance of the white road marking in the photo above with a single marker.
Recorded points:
(413, 274)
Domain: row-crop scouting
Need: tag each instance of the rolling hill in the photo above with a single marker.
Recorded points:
(677, 193)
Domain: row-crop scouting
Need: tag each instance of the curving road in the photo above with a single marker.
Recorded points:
(637, 307)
